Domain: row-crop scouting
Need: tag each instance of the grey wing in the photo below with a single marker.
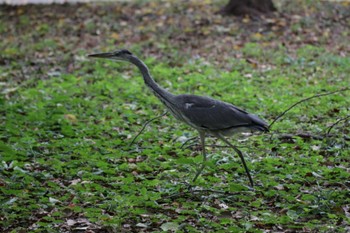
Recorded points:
(211, 114)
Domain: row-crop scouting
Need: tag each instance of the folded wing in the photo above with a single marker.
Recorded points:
(206, 113)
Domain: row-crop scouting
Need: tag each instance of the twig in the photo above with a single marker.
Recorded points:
(188, 140)
(337, 122)
(199, 191)
(302, 135)
(145, 125)
(304, 100)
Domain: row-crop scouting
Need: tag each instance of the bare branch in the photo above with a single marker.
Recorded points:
(145, 125)
(301, 135)
(188, 140)
(304, 100)
(337, 122)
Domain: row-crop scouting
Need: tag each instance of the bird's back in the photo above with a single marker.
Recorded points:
(207, 114)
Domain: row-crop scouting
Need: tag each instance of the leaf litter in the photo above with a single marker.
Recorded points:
(42, 43)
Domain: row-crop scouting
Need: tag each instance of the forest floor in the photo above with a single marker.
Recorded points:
(67, 121)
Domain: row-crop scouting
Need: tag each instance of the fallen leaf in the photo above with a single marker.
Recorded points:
(53, 200)
(170, 226)
(71, 222)
(141, 225)
(71, 118)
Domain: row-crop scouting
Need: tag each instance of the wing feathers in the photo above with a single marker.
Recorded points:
(204, 112)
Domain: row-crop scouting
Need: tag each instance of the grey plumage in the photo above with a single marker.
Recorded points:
(207, 115)
(204, 113)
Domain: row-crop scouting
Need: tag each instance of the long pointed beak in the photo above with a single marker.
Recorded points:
(101, 55)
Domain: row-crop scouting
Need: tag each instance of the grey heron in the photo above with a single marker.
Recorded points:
(208, 116)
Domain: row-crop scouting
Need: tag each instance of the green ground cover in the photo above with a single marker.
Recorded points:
(66, 163)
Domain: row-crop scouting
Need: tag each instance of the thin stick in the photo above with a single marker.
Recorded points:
(306, 99)
(337, 122)
(145, 125)
(191, 191)
(301, 135)
(188, 140)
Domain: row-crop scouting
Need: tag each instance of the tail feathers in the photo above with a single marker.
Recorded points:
(263, 128)
(259, 124)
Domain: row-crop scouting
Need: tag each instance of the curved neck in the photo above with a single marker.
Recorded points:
(160, 92)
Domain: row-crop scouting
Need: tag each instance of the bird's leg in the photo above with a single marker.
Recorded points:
(240, 156)
(202, 136)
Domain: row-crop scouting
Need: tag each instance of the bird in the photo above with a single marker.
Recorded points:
(206, 115)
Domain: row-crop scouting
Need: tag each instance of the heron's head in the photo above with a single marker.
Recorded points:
(119, 55)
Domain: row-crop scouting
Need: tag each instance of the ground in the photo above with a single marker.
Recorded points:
(67, 121)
